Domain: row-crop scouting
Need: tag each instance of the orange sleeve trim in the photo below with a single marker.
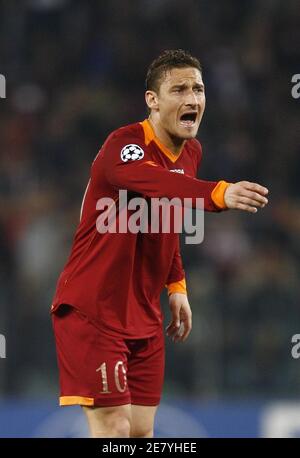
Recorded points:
(71, 400)
(177, 287)
(218, 192)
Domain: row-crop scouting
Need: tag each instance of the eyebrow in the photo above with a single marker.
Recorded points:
(183, 85)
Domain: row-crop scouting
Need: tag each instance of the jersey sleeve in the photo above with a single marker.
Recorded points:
(176, 278)
(136, 171)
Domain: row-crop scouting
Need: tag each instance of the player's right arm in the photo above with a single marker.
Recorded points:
(151, 179)
(146, 177)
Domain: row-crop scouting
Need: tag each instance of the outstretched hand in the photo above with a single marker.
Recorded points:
(181, 322)
(246, 196)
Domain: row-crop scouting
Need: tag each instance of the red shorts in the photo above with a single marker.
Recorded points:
(96, 369)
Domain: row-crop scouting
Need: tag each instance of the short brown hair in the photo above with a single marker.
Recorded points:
(174, 58)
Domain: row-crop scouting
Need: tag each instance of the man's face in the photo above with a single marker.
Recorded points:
(181, 102)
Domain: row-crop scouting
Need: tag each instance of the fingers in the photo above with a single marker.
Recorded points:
(247, 208)
(184, 331)
(254, 198)
(172, 329)
(179, 331)
(246, 196)
(262, 190)
(174, 324)
(187, 326)
(252, 201)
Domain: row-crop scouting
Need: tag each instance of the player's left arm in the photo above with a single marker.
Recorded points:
(181, 315)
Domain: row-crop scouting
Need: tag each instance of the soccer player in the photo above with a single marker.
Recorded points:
(106, 311)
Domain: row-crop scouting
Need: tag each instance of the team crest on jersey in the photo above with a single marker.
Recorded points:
(132, 152)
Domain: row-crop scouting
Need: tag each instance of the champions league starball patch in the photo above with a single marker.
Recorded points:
(132, 152)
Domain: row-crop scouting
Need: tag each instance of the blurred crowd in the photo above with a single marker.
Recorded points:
(75, 71)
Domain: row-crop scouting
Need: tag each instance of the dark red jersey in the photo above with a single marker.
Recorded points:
(116, 278)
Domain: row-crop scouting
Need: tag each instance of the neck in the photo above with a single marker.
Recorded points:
(174, 144)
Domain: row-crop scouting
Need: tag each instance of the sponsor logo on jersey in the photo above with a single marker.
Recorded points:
(132, 152)
(177, 171)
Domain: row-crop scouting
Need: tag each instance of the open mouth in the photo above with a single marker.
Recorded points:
(188, 119)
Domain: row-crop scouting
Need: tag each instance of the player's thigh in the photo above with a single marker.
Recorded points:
(145, 374)
(92, 364)
(142, 421)
(145, 381)
(109, 421)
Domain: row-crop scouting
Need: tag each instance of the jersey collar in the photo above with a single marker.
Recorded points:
(150, 136)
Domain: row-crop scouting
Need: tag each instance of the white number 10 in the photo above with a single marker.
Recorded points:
(103, 370)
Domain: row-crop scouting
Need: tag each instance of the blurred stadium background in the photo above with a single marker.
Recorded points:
(74, 72)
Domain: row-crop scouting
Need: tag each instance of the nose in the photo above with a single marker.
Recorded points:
(191, 99)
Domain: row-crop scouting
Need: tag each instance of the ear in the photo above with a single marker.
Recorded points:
(151, 100)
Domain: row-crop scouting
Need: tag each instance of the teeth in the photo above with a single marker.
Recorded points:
(187, 123)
